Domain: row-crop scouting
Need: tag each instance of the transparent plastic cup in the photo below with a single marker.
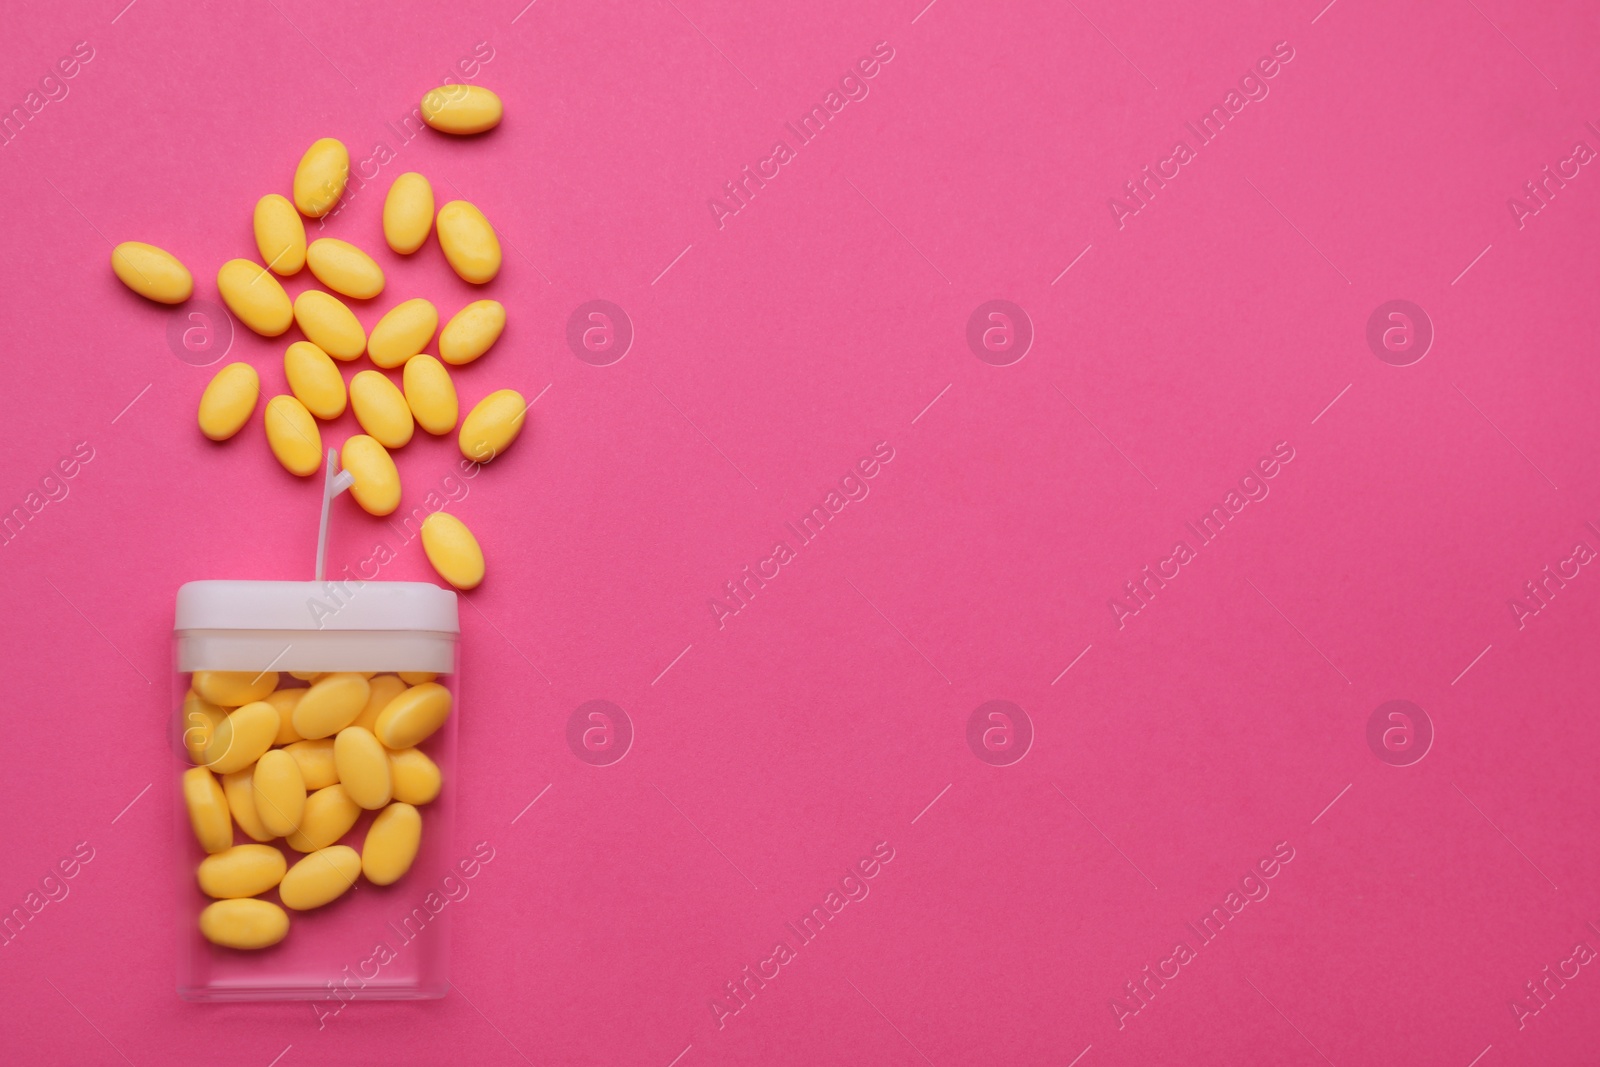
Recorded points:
(374, 942)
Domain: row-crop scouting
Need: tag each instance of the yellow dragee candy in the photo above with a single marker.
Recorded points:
(391, 844)
(462, 109)
(403, 332)
(328, 816)
(330, 705)
(239, 788)
(245, 923)
(239, 740)
(363, 767)
(234, 689)
(226, 404)
(320, 878)
(315, 760)
(385, 687)
(280, 235)
(381, 409)
(453, 551)
(408, 213)
(414, 715)
(469, 242)
(293, 436)
(200, 719)
(241, 871)
(320, 178)
(314, 379)
(492, 425)
(344, 268)
(280, 792)
(430, 394)
(208, 809)
(377, 481)
(255, 297)
(417, 677)
(329, 325)
(472, 331)
(285, 700)
(416, 777)
(153, 273)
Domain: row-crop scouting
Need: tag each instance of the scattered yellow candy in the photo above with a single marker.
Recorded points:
(377, 480)
(241, 871)
(344, 268)
(246, 923)
(408, 213)
(414, 715)
(320, 178)
(381, 409)
(492, 425)
(314, 379)
(462, 109)
(391, 845)
(280, 235)
(472, 331)
(469, 242)
(430, 394)
(153, 273)
(403, 332)
(280, 792)
(454, 553)
(329, 325)
(320, 878)
(226, 404)
(293, 435)
(255, 297)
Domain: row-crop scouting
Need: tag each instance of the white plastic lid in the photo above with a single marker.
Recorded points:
(350, 605)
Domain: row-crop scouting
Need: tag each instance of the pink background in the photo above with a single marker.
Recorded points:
(771, 355)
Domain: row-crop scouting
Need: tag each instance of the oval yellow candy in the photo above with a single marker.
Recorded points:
(315, 760)
(320, 178)
(430, 394)
(255, 297)
(492, 425)
(344, 268)
(403, 332)
(377, 480)
(330, 705)
(363, 767)
(385, 687)
(320, 878)
(417, 677)
(293, 436)
(472, 331)
(200, 720)
(408, 213)
(328, 816)
(453, 551)
(469, 242)
(208, 809)
(241, 871)
(329, 325)
(238, 788)
(391, 845)
(381, 409)
(241, 738)
(153, 273)
(234, 689)
(314, 380)
(229, 399)
(416, 777)
(414, 715)
(280, 792)
(245, 923)
(280, 235)
(285, 700)
(462, 109)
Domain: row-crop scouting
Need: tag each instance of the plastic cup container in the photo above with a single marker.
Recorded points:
(375, 942)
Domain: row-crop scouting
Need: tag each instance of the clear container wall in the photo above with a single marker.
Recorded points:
(375, 941)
